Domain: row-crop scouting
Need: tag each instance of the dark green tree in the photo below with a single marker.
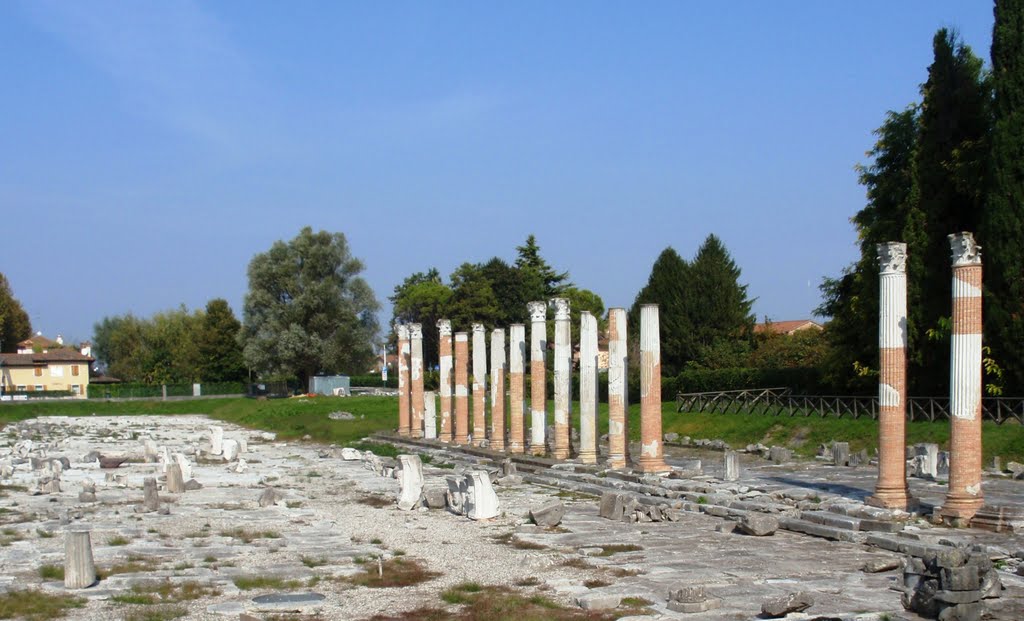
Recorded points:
(422, 298)
(667, 286)
(119, 343)
(541, 281)
(951, 167)
(220, 356)
(1002, 227)
(721, 317)
(14, 322)
(308, 310)
(473, 299)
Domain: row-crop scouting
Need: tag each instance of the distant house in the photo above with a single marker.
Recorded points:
(787, 327)
(392, 362)
(42, 364)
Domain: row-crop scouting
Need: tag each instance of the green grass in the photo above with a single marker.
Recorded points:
(36, 605)
(294, 418)
(51, 572)
(249, 583)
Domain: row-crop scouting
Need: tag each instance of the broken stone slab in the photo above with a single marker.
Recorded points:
(192, 485)
(175, 482)
(758, 524)
(879, 565)
(216, 439)
(184, 464)
(456, 495)
(288, 602)
(351, 454)
(780, 455)
(410, 481)
(270, 497)
(549, 514)
(781, 606)
(509, 480)
(150, 496)
(435, 497)
(599, 601)
(481, 501)
(612, 506)
(229, 450)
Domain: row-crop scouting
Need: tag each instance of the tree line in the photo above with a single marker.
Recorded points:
(952, 161)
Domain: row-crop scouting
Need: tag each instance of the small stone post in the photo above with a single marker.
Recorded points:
(461, 388)
(891, 490)
(404, 413)
(516, 379)
(588, 388)
(416, 378)
(732, 466)
(429, 416)
(479, 384)
(563, 377)
(652, 453)
(216, 439)
(964, 497)
(618, 399)
(498, 389)
(150, 496)
(444, 328)
(79, 569)
(175, 480)
(538, 388)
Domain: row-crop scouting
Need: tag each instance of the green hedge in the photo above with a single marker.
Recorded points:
(140, 391)
(799, 380)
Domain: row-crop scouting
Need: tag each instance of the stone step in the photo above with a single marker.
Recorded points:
(831, 519)
(820, 530)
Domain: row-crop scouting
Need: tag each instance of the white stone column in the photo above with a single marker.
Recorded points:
(563, 377)
(429, 415)
(416, 378)
(479, 384)
(891, 490)
(618, 398)
(444, 328)
(964, 497)
(216, 439)
(410, 482)
(517, 385)
(652, 452)
(404, 413)
(588, 388)
(498, 366)
(538, 388)
(79, 568)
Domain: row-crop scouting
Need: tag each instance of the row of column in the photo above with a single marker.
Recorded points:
(964, 496)
(455, 407)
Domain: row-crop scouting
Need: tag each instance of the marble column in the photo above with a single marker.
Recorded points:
(618, 399)
(416, 378)
(964, 496)
(461, 388)
(444, 328)
(652, 454)
(498, 367)
(538, 388)
(563, 377)
(404, 406)
(516, 380)
(588, 388)
(479, 384)
(892, 491)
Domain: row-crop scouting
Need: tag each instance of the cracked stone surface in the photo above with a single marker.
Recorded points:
(320, 530)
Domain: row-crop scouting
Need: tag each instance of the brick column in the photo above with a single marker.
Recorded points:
(404, 414)
(618, 400)
(563, 377)
(461, 388)
(416, 377)
(479, 384)
(892, 491)
(498, 367)
(652, 454)
(516, 380)
(588, 388)
(538, 388)
(444, 328)
(964, 497)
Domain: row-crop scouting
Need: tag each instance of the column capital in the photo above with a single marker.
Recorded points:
(538, 311)
(478, 328)
(444, 326)
(965, 250)
(892, 257)
(402, 330)
(561, 306)
(416, 330)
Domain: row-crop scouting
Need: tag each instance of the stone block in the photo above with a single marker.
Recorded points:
(758, 524)
(435, 497)
(962, 612)
(780, 455)
(966, 578)
(732, 466)
(611, 506)
(841, 454)
(351, 454)
(410, 482)
(781, 606)
(549, 514)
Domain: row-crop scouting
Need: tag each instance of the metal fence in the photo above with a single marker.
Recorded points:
(782, 402)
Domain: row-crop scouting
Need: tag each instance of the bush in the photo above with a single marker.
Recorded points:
(799, 380)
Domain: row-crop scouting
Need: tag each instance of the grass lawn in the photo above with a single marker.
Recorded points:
(294, 418)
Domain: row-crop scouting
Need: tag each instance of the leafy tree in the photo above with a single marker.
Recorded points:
(541, 281)
(722, 312)
(119, 342)
(473, 299)
(667, 286)
(307, 309)
(220, 355)
(802, 349)
(424, 299)
(14, 322)
(582, 300)
(1002, 227)
(951, 163)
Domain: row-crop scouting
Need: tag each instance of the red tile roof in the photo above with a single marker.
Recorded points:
(56, 355)
(786, 327)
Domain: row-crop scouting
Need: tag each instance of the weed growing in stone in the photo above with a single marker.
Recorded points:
(395, 572)
(36, 605)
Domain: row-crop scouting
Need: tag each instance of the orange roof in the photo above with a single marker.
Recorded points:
(786, 327)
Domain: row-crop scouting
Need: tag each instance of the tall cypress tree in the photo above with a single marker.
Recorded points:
(951, 167)
(722, 314)
(667, 287)
(1002, 227)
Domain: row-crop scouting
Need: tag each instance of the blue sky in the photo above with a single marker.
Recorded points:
(149, 150)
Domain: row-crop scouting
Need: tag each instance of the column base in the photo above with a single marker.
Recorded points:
(494, 446)
(417, 434)
(560, 453)
(538, 451)
(653, 466)
(616, 463)
(405, 433)
(959, 510)
(896, 499)
(515, 447)
(462, 440)
(587, 458)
